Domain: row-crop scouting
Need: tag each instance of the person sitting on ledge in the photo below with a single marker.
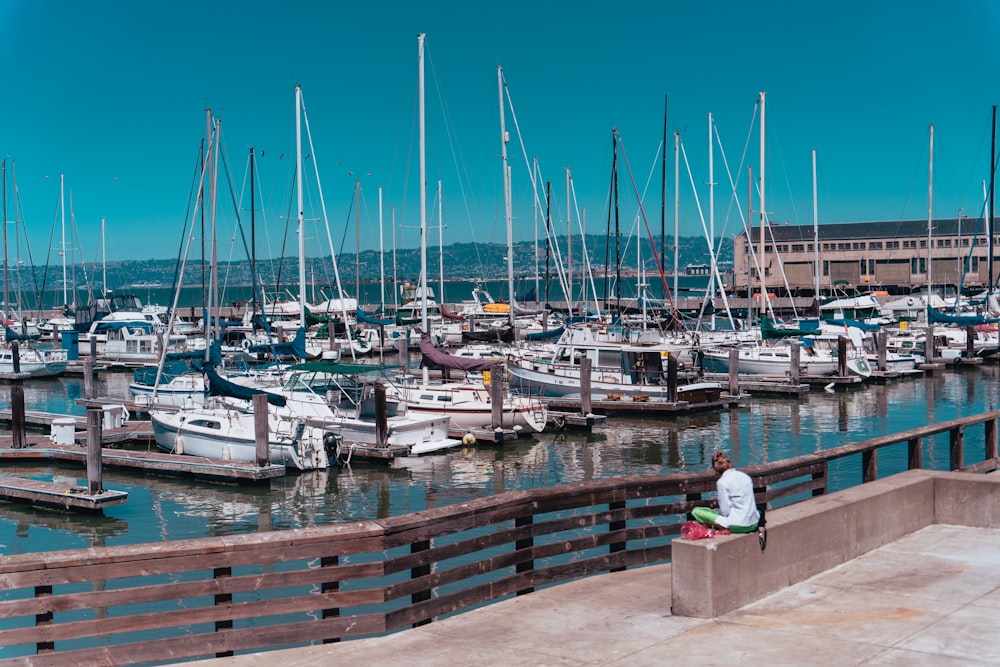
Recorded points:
(737, 505)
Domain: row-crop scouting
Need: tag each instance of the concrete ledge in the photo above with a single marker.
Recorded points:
(715, 576)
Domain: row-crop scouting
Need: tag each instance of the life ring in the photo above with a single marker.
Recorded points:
(245, 344)
(909, 301)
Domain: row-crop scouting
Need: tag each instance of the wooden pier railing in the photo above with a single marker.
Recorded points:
(220, 595)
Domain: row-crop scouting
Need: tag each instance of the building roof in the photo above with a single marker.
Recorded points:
(871, 230)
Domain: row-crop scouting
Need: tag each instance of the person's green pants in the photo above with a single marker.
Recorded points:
(708, 517)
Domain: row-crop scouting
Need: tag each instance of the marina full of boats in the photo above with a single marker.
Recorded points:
(329, 403)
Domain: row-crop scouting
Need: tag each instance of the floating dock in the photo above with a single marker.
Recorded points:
(57, 495)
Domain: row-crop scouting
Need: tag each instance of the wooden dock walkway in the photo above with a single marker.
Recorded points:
(149, 462)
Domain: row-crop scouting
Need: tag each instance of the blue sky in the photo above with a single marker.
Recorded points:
(112, 95)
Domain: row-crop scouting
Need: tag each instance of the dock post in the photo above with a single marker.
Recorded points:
(734, 372)
(17, 423)
(403, 348)
(93, 347)
(930, 354)
(381, 417)
(881, 340)
(496, 396)
(88, 377)
(95, 484)
(260, 430)
(672, 379)
(970, 340)
(841, 356)
(793, 364)
(16, 355)
(586, 400)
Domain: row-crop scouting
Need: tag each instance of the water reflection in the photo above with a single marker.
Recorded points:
(767, 429)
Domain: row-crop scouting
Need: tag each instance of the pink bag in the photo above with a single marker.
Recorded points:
(692, 530)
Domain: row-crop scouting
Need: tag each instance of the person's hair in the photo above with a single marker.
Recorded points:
(721, 462)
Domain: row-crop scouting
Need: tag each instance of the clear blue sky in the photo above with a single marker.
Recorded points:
(112, 94)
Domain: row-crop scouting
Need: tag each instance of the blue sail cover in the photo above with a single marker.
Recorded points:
(936, 316)
(545, 335)
(858, 324)
(365, 318)
(10, 334)
(295, 348)
(219, 386)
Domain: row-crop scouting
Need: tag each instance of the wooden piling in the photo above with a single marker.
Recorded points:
(88, 378)
(794, 363)
(95, 482)
(496, 396)
(16, 354)
(586, 399)
(734, 372)
(381, 417)
(842, 356)
(260, 430)
(672, 379)
(970, 340)
(17, 423)
(882, 340)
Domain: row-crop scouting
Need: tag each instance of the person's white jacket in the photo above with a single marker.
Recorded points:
(737, 506)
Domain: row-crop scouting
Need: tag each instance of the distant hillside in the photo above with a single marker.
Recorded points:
(461, 260)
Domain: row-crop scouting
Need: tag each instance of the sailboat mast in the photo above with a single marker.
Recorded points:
(993, 180)
(763, 209)
(440, 243)
(677, 215)
(104, 261)
(710, 294)
(508, 214)
(301, 211)
(815, 230)
(357, 240)
(253, 234)
(663, 191)
(62, 247)
(930, 213)
(6, 292)
(423, 185)
(569, 246)
(381, 254)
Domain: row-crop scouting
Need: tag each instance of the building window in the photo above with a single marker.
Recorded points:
(923, 244)
(892, 245)
(875, 245)
(798, 247)
(826, 268)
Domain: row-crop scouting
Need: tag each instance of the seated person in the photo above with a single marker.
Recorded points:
(737, 505)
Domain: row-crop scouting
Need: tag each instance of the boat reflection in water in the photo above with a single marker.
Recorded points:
(766, 430)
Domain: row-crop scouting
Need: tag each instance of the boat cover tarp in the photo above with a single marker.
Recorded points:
(937, 317)
(366, 318)
(552, 334)
(448, 315)
(295, 348)
(847, 322)
(10, 334)
(435, 358)
(171, 369)
(770, 332)
(219, 386)
(504, 334)
(340, 367)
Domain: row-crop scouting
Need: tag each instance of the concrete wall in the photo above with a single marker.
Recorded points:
(711, 577)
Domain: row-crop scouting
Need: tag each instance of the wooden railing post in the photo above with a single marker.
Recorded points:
(223, 599)
(916, 453)
(991, 439)
(825, 476)
(43, 619)
(869, 465)
(525, 543)
(613, 526)
(956, 440)
(330, 587)
(416, 573)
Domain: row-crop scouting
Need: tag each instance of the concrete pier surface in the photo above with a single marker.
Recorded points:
(931, 597)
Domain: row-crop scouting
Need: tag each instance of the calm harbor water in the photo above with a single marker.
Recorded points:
(768, 429)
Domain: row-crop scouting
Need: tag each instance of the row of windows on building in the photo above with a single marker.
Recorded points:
(909, 244)
(918, 265)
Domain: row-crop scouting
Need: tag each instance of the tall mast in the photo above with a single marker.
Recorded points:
(930, 214)
(357, 240)
(104, 261)
(993, 180)
(677, 214)
(62, 209)
(301, 211)
(6, 294)
(663, 190)
(253, 236)
(440, 243)
(763, 213)
(815, 231)
(423, 186)
(508, 214)
(710, 295)
(569, 246)
(381, 254)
